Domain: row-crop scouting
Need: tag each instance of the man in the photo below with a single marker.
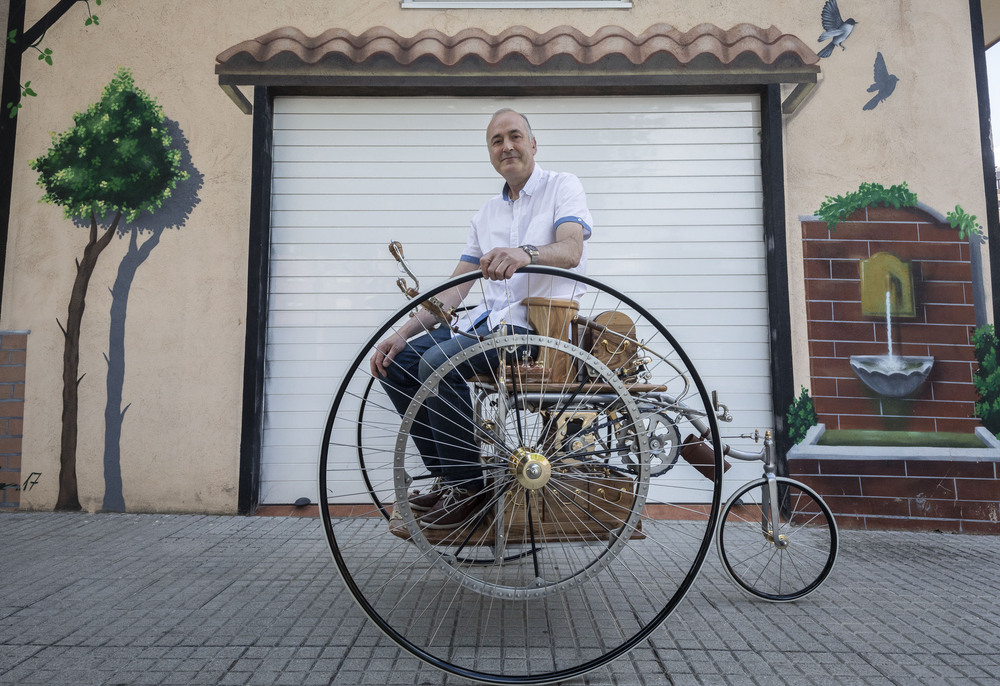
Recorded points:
(540, 217)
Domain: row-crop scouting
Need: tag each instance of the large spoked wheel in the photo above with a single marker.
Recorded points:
(778, 560)
(591, 528)
(552, 480)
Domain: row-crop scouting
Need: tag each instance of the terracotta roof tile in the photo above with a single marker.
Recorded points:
(744, 41)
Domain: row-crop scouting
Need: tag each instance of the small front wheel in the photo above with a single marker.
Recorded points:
(778, 559)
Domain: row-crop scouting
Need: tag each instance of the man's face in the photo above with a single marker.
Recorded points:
(512, 148)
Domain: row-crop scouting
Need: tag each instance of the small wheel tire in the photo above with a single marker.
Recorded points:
(806, 535)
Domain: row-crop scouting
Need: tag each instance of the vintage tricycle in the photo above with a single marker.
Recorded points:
(604, 465)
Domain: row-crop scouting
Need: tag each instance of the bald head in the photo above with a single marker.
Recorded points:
(512, 148)
(505, 110)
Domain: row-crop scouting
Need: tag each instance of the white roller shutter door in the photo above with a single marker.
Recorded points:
(674, 185)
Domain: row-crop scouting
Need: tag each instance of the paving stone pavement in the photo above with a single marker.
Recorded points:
(109, 600)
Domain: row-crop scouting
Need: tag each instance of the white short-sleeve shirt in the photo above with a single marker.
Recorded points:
(547, 200)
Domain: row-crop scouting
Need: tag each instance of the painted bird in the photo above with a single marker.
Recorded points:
(885, 83)
(835, 29)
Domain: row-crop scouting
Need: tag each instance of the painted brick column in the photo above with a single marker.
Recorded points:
(13, 357)
(907, 491)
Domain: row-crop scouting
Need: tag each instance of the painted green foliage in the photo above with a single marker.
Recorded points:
(801, 416)
(116, 158)
(836, 209)
(44, 54)
(963, 221)
(987, 377)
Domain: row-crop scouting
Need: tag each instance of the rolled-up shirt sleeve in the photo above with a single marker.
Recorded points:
(571, 205)
(473, 251)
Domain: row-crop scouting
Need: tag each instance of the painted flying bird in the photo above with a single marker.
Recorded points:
(885, 83)
(835, 29)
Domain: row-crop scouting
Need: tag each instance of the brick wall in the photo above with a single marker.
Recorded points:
(943, 289)
(959, 496)
(13, 355)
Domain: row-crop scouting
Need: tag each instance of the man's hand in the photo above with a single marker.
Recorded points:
(501, 263)
(385, 352)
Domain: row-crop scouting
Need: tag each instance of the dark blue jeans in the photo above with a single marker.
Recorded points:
(443, 429)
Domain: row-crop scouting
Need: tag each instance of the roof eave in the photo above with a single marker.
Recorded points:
(520, 60)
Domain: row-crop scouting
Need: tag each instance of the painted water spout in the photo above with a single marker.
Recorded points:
(895, 376)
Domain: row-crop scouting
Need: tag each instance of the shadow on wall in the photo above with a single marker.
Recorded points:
(143, 236)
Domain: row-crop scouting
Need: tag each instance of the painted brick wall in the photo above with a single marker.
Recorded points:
(13, 355)
(929, 495)
(945, 320)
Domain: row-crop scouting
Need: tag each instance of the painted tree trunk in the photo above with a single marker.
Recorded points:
(69, 497)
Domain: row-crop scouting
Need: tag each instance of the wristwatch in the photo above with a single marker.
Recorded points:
(532, 252)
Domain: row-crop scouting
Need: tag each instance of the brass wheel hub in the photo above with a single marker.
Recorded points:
(780, 542)
(532, 470)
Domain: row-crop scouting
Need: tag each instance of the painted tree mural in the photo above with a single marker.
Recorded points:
(117, 161)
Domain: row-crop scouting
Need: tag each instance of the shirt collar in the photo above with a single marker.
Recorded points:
(529, 187)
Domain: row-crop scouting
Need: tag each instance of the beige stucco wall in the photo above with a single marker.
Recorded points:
(186, 329)
(991, 21)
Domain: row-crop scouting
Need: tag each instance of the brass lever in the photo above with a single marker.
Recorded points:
(396, 250)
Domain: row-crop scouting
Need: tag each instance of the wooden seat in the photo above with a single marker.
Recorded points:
(552, 369)
(552, 317)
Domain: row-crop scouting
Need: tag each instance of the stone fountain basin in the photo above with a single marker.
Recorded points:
(895, 377)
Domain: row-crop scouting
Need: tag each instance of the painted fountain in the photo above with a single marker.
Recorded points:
(890, 375)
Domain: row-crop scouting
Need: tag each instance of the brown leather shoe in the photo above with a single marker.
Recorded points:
(454, 508)
(426, 500)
